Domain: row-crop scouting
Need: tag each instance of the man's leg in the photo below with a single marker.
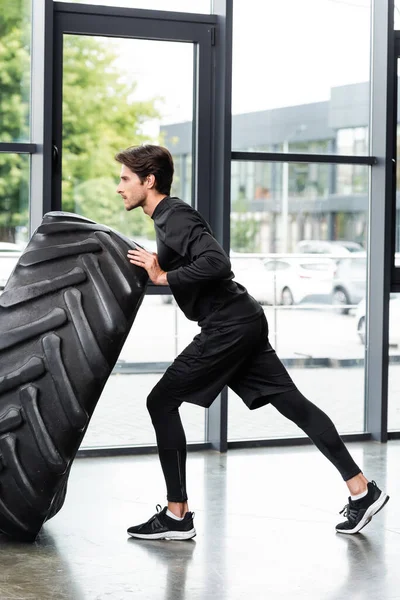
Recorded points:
(197, 375)
(173, 521)
(171, 444)
(321, 430)
(366, 498)
(263, 379)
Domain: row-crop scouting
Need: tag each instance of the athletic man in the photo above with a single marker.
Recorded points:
(231, 349)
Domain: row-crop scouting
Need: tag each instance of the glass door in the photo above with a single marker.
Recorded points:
(394, 301)
(123, 79)
(118, 92)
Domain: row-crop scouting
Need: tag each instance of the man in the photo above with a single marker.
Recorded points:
(231, 349)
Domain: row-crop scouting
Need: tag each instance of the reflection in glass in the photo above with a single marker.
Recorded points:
(111, 101)
(15, 64)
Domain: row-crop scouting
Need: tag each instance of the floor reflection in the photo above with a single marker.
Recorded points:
(37, 571)
(171, 561)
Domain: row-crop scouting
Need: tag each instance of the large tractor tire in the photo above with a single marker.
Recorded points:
(65, 313)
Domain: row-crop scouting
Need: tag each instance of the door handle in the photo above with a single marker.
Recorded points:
(55, 156)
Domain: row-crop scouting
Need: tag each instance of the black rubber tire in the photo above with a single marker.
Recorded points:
(64, 316)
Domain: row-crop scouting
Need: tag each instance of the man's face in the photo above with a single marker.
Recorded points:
(131, 189)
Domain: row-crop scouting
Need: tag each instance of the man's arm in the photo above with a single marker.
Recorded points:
(189, 237)
(149, 261)
(208, 262)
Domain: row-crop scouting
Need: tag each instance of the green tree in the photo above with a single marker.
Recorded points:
(100, 117)
(14, 116)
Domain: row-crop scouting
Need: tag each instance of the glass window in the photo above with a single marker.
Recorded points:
(14, 211)
(294, 85)
(305, 250)
(394, 338)
(394, 365)
(397, 14)
(352, 141)
(111, 101)
(194, 6)
(351, 179)
(121, 416)
(299, 203)
(397, 233)
(14, 198)
(15, 65)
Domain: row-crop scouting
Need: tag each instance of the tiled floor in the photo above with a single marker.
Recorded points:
(265, 530)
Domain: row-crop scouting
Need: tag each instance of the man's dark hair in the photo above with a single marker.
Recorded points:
(150, 160)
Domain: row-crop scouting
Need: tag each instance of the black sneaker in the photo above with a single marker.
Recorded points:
(360, 512)
(163, 527)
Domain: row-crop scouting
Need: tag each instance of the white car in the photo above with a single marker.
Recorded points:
(281, 281)
(9, 255)
(350, 281)
(394, 316)
(334, 247)
(290, 281)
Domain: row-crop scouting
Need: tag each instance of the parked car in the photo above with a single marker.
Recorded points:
(9, 255)
(335, 247)
(349, 282)
(290, 281)
(394, 315)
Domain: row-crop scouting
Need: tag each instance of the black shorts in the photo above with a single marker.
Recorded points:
(239, 356)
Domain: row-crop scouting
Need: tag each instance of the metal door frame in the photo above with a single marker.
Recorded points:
(78, 19)
(208, 120)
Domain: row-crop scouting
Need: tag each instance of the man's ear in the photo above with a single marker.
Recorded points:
(151, 181)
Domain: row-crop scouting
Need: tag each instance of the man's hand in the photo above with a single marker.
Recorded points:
(148, 261)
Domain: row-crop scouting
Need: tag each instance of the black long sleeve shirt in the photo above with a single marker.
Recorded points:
(198, 270)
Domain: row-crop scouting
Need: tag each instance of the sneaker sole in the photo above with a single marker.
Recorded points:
(372, 510)
(169, 535)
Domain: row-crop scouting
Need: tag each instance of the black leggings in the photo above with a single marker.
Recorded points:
(171, 439)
